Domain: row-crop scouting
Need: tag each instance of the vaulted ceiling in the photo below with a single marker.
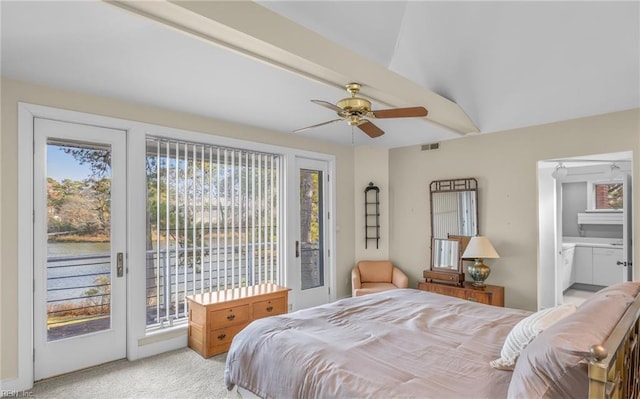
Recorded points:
(478, 67)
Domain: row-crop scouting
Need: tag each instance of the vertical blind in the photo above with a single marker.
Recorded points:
(213, 222)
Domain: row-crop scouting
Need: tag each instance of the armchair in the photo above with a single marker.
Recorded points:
(370, 276)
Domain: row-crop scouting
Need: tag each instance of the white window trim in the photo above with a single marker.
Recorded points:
(140, 342)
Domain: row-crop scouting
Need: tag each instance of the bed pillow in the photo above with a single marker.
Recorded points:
(547, 368)
(525, 331)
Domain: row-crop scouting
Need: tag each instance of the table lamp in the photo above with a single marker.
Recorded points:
(479, 248)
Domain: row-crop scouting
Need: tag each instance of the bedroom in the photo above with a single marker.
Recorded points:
(504, 162)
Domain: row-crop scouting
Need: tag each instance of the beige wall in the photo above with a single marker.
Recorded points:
(505, 165)
(14, 91)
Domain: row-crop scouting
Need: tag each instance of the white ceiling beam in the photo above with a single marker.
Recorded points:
(257, 32)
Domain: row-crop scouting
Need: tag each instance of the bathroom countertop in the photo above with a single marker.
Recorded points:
(592, 242)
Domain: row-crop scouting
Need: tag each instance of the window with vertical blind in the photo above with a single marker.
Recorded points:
(212, 222)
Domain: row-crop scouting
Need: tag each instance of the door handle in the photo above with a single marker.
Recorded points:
(624, 263)
(120, 264)
(297, 249)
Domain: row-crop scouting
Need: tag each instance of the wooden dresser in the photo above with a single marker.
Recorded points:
(216, 317)
(490, 295)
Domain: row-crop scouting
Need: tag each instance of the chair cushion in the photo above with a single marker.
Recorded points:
(378, 271)
(370, 288)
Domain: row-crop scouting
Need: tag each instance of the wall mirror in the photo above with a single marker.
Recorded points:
(454, 220)
(454, 207)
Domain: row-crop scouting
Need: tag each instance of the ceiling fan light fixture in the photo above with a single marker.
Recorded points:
(353, 120)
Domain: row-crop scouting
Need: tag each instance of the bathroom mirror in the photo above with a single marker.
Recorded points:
(454, 207)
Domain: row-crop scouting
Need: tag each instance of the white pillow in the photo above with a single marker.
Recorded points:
(525, 331)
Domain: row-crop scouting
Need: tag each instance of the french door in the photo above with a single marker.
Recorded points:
(311, 251)
(79, 246)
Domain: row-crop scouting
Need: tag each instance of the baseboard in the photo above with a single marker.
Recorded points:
(160, 343)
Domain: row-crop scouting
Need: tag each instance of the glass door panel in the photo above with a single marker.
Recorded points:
(78, 239)
(311, 229)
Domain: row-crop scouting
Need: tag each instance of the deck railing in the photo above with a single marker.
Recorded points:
(78, 291)
(80, 286)
(173, 275)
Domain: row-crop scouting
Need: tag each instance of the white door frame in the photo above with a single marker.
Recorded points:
(327, 164)
(627, 233)
(74, 353)
(323, 294)
(26, 115)
(550, 223)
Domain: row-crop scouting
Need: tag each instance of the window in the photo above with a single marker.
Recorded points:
(213, 222)
(608, 196)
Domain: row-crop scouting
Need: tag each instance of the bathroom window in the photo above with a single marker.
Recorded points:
(608, 196)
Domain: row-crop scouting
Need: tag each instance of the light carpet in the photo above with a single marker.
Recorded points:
(177, 374)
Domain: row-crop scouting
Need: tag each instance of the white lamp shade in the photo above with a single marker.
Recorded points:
(480, 247)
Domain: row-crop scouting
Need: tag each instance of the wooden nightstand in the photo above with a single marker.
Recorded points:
(490, 295)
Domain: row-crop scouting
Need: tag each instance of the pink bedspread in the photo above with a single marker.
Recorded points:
(395, 344)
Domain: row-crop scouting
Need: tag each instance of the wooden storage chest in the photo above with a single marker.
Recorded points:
(216, 317)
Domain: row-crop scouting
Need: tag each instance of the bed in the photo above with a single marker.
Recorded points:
(408, 343)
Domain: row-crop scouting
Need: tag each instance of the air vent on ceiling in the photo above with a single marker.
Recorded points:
(432, 146)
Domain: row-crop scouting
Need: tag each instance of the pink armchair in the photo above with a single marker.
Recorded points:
(370, 276)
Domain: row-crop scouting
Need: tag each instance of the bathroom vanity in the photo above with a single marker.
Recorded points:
(591, 263)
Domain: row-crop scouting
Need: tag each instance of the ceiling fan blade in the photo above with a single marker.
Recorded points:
(400, 112)
(370, 129)
(319, 124)
(326, 104)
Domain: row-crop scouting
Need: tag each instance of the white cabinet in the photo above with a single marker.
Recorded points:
(605, 270)
(568, 269)
(597, 266)
(584, 265)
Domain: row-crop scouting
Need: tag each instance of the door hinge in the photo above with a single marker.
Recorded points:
(328, 252)
(329, 288)
(34, 354)
(328, 215)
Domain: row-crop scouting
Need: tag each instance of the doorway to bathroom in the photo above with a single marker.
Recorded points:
(585, 226)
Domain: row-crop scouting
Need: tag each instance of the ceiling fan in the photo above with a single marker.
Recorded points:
(356, 109)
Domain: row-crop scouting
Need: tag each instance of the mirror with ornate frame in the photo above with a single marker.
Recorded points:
(454, 220)
(454, 207)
